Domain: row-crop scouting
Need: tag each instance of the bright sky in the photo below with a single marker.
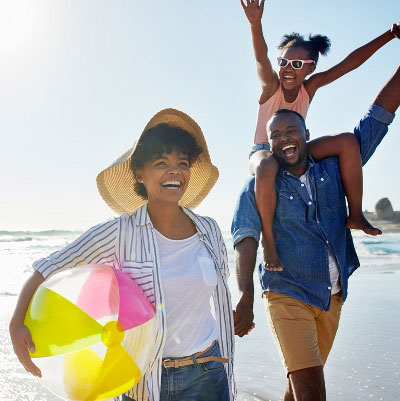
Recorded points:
(80, 79)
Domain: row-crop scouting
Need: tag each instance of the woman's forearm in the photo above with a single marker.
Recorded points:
(25, 297)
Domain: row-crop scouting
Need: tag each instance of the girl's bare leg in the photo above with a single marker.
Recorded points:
(265, 192)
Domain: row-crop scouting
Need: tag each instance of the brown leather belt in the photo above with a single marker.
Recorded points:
(190, 360)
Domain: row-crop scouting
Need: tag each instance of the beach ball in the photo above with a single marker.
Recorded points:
(94, 331)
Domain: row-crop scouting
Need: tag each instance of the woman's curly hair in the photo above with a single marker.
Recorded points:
(163, 138)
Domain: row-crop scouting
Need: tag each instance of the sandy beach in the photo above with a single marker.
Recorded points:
(364, 362)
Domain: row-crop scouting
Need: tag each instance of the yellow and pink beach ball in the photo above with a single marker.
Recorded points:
(94, 330)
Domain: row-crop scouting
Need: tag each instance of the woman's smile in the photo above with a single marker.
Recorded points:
(166, 177)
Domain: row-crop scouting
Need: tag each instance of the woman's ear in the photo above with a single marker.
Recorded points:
(307, 135)
(138, 176)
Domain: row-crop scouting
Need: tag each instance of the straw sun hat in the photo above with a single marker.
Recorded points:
(116, 183)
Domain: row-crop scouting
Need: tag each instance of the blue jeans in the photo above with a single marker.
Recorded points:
(198, 382)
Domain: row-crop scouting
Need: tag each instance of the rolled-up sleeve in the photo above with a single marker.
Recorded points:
(97, 245)
(246, 221)
(372, 129)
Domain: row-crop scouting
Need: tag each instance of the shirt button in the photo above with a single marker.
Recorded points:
(302, 185)
(310, 203)
(322, 179)
(327, 242)
(329, 288)
(291, 197)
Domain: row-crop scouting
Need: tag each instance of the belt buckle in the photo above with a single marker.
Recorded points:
(164, 361)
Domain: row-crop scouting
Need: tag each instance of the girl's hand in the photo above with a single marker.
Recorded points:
(22, 341)
(253, 10)
(396, 30)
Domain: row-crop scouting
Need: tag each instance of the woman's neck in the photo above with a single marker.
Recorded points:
(170, 220)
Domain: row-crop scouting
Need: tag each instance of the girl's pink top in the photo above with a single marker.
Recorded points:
(276, 102)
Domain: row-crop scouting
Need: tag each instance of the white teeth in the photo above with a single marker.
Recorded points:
(288, 147)
(174, 183)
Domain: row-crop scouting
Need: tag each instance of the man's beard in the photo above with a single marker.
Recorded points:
(286, 165)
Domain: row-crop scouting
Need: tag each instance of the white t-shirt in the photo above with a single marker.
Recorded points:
(333, 267)
(189, 279)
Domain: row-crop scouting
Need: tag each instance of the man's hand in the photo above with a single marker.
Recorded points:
(243, 316)
(253, 10)
(396, 30)
(22, 341)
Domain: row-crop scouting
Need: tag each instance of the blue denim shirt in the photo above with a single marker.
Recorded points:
(306, 228)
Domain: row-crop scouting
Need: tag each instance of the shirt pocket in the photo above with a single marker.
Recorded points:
(208, 272)
(328, 191)
(290, 206)
(142, 274)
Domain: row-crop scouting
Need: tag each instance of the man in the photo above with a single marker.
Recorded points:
(303, 302)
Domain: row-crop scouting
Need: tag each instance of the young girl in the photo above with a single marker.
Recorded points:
(289, 89)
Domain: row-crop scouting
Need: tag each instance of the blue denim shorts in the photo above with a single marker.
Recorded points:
(259, 146)
(198, 382)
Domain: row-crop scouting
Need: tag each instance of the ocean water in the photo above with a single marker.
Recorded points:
(364, 362)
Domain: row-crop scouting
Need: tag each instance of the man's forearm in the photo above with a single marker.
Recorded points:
(389, 96)
(245, 260)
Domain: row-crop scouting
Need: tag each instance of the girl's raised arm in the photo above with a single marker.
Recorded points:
(268, 77)
(352, 61)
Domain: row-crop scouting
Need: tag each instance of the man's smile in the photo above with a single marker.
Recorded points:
(289, 151)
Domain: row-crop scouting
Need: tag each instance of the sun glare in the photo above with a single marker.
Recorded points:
(16, 23)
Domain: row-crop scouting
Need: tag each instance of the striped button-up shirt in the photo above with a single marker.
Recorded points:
(129, 243)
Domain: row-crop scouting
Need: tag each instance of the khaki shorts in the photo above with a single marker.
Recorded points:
(304, 333)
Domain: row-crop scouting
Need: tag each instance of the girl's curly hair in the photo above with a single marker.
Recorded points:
(315, 45)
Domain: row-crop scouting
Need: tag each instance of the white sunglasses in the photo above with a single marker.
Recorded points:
(296, 64)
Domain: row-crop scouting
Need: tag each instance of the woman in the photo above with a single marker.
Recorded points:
(177, 257)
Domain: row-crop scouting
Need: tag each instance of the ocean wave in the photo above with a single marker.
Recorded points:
(13, 239)
(384, 252)
(383, 248)
(38, 233)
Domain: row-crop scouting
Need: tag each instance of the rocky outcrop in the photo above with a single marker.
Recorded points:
(384, 209)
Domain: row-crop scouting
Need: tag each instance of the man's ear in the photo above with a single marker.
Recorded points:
(307, 135)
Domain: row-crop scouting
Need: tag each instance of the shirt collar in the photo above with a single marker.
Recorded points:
(142, 218)
(283, 172)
